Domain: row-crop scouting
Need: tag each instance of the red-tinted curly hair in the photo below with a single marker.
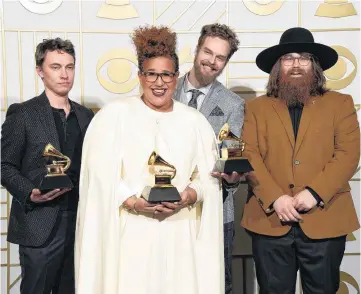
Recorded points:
(152, 41)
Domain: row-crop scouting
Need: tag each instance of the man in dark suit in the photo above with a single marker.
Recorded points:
(43, 224)
(200, 89)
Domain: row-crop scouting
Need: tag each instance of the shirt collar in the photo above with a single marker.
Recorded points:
(62, 110)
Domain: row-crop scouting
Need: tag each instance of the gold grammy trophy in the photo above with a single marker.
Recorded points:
(162, 189)
(56, 178)
(232, 159)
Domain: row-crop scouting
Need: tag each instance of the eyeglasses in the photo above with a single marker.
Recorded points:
(152, 77)
(303, 60)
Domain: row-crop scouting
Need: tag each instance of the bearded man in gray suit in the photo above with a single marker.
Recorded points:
(200, 89)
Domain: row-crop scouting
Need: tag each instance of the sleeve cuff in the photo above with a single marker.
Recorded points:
(28, 204)
(316, 196)
(270, 209)
(195, 186)
(124, 192)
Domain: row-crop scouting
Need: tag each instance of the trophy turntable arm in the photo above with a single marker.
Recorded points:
(66, 161)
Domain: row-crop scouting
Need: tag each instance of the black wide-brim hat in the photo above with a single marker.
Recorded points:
(296, 40)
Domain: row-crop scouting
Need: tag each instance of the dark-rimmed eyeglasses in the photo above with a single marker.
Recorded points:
(303, 60)
(152, 77)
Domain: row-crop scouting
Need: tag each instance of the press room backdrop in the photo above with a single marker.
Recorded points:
(106, 63)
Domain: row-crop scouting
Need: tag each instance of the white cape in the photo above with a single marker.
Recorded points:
(117, 252)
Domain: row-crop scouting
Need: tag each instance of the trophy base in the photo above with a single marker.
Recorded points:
(228, 166)
(160, 194)
(55, 182)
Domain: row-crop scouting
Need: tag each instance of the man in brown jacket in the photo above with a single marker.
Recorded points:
(303, 142)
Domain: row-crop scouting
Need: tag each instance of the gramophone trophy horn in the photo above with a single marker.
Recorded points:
(56, 165)
(231, 157)
(226, 134)
(161, 189)
(156, 160)
(50, 151)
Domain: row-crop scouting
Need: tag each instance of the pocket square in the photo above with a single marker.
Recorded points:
(217, 112)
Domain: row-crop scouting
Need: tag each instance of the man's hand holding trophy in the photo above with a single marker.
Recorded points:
(56, 182)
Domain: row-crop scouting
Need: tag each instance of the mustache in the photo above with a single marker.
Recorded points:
(296, 71)
(207, 63)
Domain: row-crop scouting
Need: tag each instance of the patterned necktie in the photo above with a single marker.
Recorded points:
(193, 101)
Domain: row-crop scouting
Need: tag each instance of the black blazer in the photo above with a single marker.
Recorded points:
(27, 129)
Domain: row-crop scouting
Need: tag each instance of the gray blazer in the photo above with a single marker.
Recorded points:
(220, 106)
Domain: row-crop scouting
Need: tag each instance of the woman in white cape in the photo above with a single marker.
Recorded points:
(125, 245)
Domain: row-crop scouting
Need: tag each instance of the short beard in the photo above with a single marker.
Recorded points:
(295, 91)
(204, 80)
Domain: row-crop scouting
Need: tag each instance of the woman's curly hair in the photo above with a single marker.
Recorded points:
(152, 41)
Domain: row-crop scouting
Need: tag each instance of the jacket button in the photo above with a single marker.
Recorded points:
(297, 162)
(291, 186)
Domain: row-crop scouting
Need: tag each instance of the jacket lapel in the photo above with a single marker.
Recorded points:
(47, 119)
(180, 82)
(81, 116)
(307, 113)
(284, 116)
(211, 100)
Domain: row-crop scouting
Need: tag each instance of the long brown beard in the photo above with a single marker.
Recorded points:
(295, 91)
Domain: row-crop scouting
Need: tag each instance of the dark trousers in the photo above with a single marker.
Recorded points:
(278, 259)
(228, 248)
(50, 268)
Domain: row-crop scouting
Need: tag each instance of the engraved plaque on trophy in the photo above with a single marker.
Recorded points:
(232, 159)
(162, 173)
(57, 165)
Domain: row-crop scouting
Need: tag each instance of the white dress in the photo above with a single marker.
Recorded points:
(119, 252)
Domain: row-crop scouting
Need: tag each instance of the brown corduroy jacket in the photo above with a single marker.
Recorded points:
(324, 157)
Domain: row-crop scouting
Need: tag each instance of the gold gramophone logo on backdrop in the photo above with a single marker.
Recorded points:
(350, 237)
(117, 9)
(336, 74)
(345, 280)
(336, 9)
(263, 7)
